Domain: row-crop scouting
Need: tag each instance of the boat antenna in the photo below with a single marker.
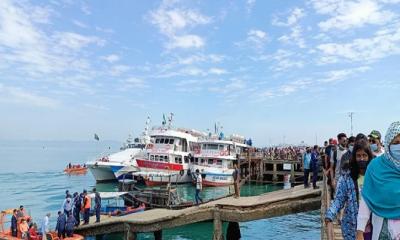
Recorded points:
(171, 115)
(146, 128)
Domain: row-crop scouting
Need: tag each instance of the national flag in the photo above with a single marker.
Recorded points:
(164, 120)
(96, 137)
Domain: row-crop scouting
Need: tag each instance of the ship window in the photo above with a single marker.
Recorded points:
(210, 161)
(157, 140)
(219, 162)
(186, 159)
(152, 157)
(171, 141)
(221, 147)
(180, 159)
(162, 140)
(196, 160)
(176, 160)
(157, 158)
(165, 158)
(202, 160)
(212, 146)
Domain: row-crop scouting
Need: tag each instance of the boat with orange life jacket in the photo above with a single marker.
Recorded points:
(6, 234)
(76, 169)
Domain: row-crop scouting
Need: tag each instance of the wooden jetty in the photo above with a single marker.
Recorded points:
(273, 204)
(266, 169)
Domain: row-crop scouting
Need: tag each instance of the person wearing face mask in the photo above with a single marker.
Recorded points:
(375, 143)
(347, 155)
(381, 192)
(347, 191)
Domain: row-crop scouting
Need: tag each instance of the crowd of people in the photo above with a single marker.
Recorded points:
(68, 218)
(363, 173)
(289, 153)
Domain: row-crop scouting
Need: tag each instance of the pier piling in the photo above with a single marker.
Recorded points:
(218, 234)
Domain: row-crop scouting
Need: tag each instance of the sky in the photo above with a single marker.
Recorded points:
(275, 71)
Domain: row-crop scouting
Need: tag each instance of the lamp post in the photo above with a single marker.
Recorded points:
(351, 122)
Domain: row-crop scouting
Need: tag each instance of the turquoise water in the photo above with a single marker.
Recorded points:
(31, 175)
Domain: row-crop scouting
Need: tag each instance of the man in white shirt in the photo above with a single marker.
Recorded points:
(45, 226)
(336, 158)
(199, 187)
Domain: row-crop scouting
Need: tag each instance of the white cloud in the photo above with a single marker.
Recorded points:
(174, 23)
(79, 24)
(85, 9)
(37, 53)
(133, 83)
(199, 58)
(111, 58)
(384, 43)
(294, 17)
(76, 41)
(340, 75)
(295, 37)
(25, 97)
(186, 41)
(96, 107)
(250, 5)
(217, 71)
(284, 59)
(118, 70)
(351, 14)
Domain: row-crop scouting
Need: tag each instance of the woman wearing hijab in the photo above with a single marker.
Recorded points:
(381, 191)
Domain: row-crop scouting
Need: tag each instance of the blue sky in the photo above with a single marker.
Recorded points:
(271, 70)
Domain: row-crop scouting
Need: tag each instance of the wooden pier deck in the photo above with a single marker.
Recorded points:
(273, 204)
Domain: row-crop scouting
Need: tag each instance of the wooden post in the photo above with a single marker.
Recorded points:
(218, 234)
(293, 178)
(128, 234)
(158, 235)
(274, 175)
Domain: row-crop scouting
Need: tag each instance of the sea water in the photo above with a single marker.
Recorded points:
(31, 174)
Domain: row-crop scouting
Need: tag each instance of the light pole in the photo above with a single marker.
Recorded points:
(351, 122)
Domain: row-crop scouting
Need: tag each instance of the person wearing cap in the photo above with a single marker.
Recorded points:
(375, 143)
(67, 205)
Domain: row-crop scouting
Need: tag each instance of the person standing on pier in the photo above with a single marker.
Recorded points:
(77, 208)
(349, 184)
(45, 226)
(67, 205)
(69, 225)
(380, 195)
(60, 227)
(375, 143)
(199, 187)
(336, 158)
(86, 207)
(97, 204)
(315, 166)
(14, 221)
(306, 166)
(236, 180)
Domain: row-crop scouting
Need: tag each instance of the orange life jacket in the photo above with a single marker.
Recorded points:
(87, 202)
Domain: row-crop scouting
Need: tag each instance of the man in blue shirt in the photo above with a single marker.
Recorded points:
(306, 166)
(315, 165)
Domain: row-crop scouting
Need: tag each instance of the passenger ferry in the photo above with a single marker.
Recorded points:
(215, 156)
(107, 167)
(169, 152)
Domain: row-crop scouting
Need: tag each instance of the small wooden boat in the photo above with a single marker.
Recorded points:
(75, 169)
(118, 204)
